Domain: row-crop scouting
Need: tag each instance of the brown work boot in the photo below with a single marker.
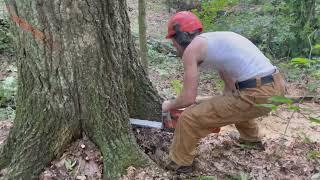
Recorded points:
(179, 169)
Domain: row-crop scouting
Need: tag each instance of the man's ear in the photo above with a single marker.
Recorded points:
(176, 27)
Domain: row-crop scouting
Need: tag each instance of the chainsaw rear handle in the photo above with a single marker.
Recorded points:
(170, 120)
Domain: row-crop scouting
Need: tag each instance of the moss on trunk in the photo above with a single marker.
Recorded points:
(78, 71)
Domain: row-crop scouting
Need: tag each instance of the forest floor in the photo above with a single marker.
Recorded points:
(294, 155)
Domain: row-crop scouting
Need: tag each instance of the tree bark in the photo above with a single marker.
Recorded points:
(78, 71)
(143, 33)
(306, 17)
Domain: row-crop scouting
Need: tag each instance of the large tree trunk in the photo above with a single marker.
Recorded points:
(78, 71)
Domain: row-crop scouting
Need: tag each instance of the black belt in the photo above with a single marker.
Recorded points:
(252, 83)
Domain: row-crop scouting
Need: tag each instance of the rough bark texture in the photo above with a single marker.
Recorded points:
(82, 75)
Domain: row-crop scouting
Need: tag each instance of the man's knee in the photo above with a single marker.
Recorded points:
(186, 119)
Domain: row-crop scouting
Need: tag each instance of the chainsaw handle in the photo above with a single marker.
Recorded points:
(166, 115)
(170, 119)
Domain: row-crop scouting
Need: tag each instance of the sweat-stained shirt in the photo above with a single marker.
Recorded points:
(235, 56)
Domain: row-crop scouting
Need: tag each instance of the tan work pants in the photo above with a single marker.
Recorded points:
(239, 109)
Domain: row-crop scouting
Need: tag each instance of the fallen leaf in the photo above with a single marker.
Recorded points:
(131, 171)
(81, 178)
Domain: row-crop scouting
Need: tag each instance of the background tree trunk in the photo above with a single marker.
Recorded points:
(78, 71)
(306, 18)
(143, 33)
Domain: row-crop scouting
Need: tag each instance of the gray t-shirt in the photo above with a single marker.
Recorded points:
(235, 55)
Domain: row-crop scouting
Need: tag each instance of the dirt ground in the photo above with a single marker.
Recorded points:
(218, 155)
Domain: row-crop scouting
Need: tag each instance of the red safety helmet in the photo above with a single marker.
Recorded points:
(188, 22)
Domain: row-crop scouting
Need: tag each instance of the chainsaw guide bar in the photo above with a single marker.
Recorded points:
(146, 123)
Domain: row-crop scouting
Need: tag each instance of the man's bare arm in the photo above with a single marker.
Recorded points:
(191, 58)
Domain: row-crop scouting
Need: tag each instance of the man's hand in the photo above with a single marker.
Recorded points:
(166, 106)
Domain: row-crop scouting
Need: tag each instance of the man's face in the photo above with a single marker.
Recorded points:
(180, 50)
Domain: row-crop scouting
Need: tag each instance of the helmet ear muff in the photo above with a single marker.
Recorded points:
(182, 38)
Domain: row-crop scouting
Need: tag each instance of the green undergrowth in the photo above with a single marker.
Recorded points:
(281, 29)
(8, 88)
(295, 72)
(305, 71)
(6, 38)
(7, 113)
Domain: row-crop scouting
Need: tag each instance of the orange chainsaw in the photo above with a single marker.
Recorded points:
(169, 121)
